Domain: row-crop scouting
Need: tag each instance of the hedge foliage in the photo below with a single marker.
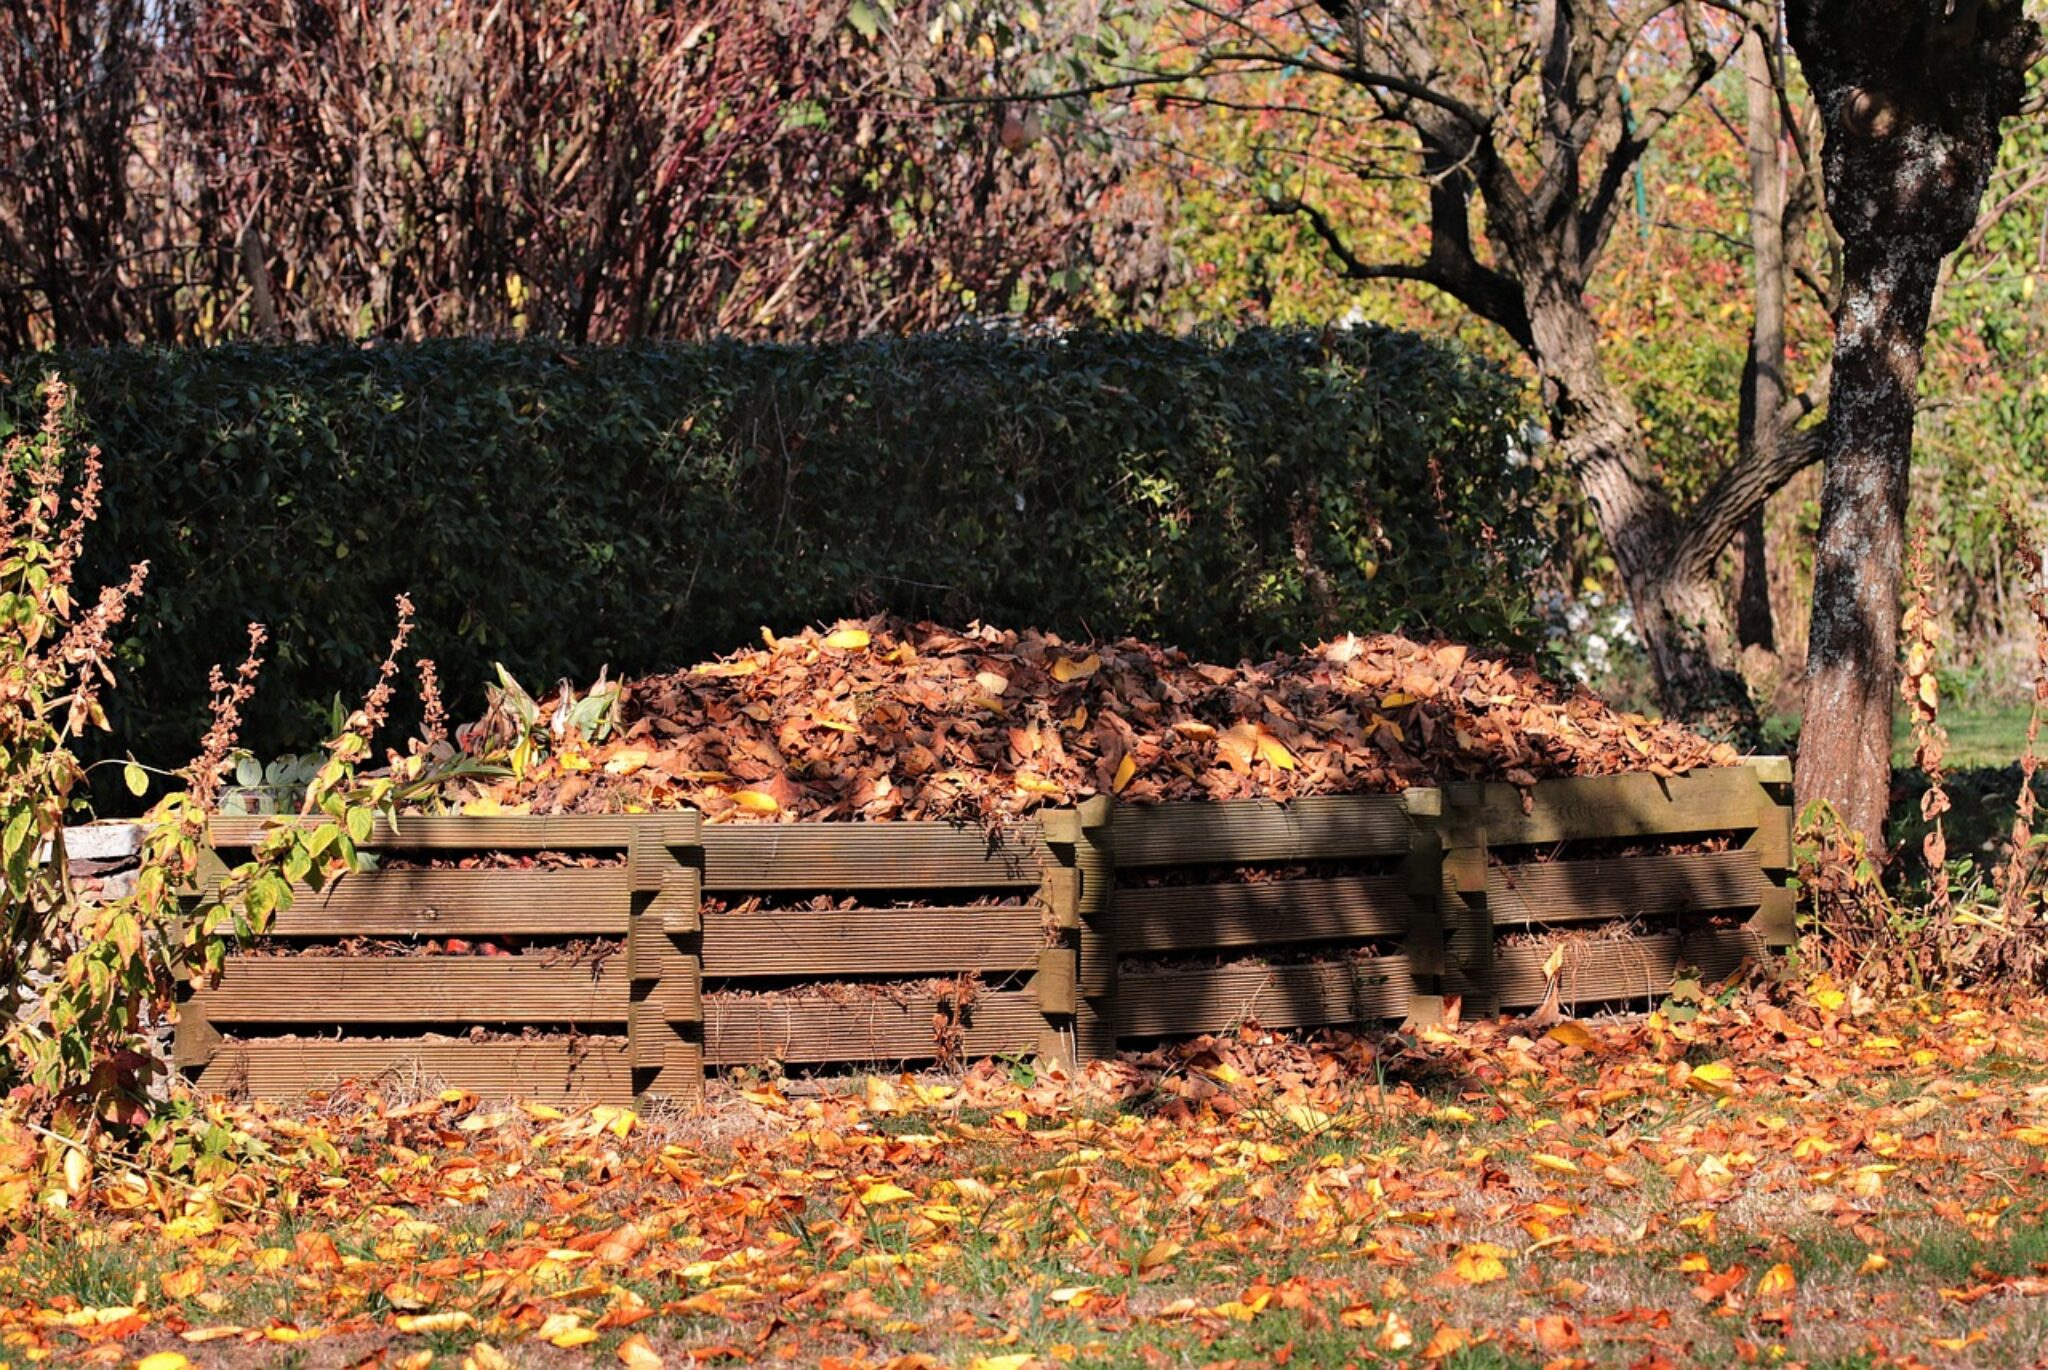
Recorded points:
(646, 507)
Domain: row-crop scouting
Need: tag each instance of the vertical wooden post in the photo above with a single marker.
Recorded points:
(195, 1040)
(664, 959)
(1080, 842)
(1468, 921)
(1423, 869)
(1057, 981)
(1776, 920)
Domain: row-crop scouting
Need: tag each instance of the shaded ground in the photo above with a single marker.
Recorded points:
(1806, 1185)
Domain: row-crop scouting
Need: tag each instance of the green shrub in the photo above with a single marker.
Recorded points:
(645, 507)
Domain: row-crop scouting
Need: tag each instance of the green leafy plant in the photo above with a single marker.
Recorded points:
(646, 506)
(84, 983)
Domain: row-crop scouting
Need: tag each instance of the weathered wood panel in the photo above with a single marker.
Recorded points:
(423, 989)
(1321, 828)
(559, 1070)
(1595, 807)
(1619, 969)
(855, 856)
(442, 903)
(1200, 917)
(1623, 887)
(522, 832)
(750, 1030)
(1165, 1003)
(874, 941)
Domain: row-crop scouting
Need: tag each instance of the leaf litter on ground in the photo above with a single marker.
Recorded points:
(1795, 1176)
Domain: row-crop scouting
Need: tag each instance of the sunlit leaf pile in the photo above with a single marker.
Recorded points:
(892, 720)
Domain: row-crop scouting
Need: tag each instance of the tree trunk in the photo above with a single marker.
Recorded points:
(1763, 373)
(1681, 617)
(1912, 93)
(1845, 742)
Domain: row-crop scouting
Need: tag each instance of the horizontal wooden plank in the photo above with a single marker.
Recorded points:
(556, 1070)
(438, 903)
(751, 1031)
(873, 941)
(516, 832)
(1171, 1002)
(1635, 968)
(854, 856)
(1593, 807)
(1623, 887)
(413, 989)
(1199, 917)
(1320, 828)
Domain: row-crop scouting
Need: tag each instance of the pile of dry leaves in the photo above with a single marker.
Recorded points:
(893, 720)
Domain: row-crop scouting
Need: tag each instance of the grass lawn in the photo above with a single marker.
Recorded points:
(1818, 1183)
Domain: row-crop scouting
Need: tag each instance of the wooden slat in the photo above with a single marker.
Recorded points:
(873, 941)
(1630, 968)
(756, 1030)
(1587, 808)
(1198, 917)
(1055, 982)
(561, 1070)
(1167, 1003)
(1623, 887)
(1321, 828)
(525, 832)
(408, 989)
(852, 856)
(438, 903)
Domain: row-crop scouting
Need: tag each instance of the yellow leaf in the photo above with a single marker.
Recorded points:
(1543, 1160)
(1158, 1254)
(182, 1284)
(756, 801)
(1479, 1263)
(1573, 1035)
(1777, 1283)
(627, 760)
(848, 639)
(573, 1338)
(1397, 700)
(162, 1360)
(1125, 769)
(635, 1352)
(1016, 1360)
(1273, 752)
(1553, 962)
(1032, 783)
(1070, 668)
(2032, 1136)
(484, 1356)
(434, 1322)
(884, 1193)
(1200, 732)
(1715, 1077)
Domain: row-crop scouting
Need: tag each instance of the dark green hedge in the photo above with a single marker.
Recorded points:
(647, 507)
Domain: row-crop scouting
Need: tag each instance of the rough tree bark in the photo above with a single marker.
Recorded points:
(1551, 174)
(1912, 94)
(1763, 373)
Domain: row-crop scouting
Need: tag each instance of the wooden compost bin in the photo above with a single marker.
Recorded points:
(1381, 906)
